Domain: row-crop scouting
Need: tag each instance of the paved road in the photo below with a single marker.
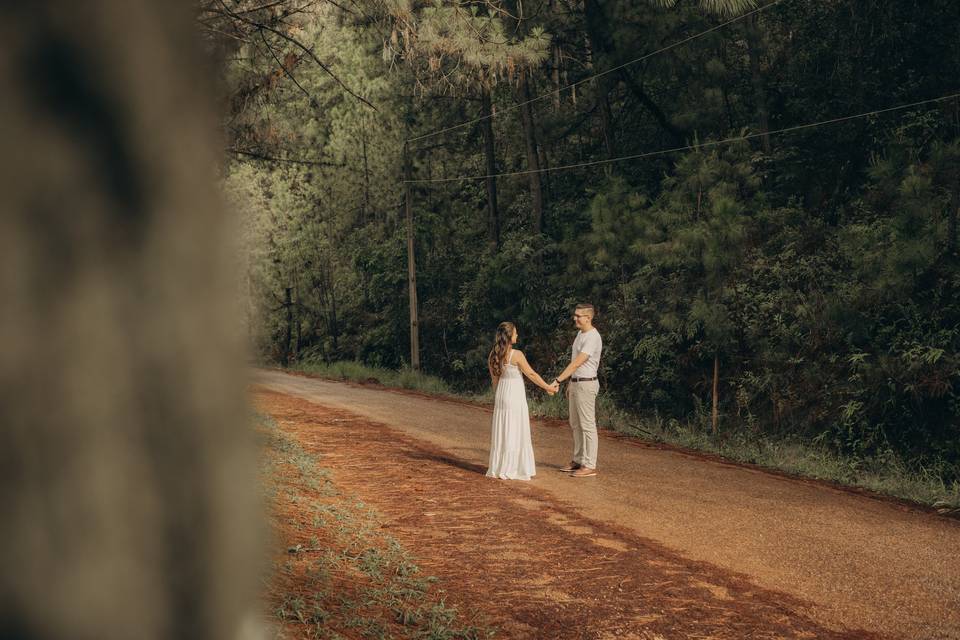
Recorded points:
(860, 562)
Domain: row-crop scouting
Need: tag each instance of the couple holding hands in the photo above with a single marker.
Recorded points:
(511, 449)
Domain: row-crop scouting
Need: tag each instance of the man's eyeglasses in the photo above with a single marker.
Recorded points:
(580, 315)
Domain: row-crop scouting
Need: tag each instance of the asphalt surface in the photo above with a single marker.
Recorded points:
(860, 562)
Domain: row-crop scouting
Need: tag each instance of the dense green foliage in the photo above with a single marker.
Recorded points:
(818, 268)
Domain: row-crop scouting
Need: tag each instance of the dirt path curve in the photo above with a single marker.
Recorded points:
(860, 563)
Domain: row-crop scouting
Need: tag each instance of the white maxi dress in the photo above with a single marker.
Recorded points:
(511, 449)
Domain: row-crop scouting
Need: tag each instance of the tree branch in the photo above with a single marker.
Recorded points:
(651, 106)
(297, 43)
(313, 101)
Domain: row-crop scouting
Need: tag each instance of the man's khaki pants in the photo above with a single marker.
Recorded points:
(582, 402)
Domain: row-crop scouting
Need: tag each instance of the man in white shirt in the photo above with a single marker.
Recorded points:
(582, 392)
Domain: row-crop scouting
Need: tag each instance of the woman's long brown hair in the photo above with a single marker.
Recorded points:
(500, 345)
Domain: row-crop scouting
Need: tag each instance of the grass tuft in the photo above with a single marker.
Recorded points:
(357, 372)
(360, 582)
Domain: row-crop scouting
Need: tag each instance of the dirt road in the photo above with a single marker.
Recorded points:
(846, 561)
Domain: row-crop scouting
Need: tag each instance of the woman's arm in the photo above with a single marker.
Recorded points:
(530, 373)
(493, 379)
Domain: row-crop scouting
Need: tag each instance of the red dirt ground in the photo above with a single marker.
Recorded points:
(531, 564)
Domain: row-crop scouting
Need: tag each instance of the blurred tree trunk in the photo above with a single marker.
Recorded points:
(126, 463)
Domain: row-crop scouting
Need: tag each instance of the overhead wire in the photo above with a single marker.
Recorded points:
(702, 145)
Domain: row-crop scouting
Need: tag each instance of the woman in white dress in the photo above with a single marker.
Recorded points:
(511, 450)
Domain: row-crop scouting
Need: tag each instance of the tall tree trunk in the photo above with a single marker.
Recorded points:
(297, 338)
(365, 207)
(330, 304)
(715, 417)
(288, 330)
(533, 158)
(545, 165)
(411, 265)
(297, 319)
(602, 48)
(606, 121)
(322, 284)
(516, 8)
(129, 473)
(652, 107)
(555, 76)
(954, 213)
(727, 107)
(334, 326)
(493, 221)
(756, 77)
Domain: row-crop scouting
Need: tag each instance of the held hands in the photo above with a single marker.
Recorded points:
(553, 387)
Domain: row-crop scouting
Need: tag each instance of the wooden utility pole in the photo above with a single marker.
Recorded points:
(411, 263)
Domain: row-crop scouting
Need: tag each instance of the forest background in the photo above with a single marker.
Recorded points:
(785, 286)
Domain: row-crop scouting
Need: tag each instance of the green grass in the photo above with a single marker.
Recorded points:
(358, 372)
(884, 475)
(394, 599)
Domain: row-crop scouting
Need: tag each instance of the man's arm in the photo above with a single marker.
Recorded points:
(573, 366)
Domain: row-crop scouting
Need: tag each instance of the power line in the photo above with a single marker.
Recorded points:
(712, 143)
(597, 75)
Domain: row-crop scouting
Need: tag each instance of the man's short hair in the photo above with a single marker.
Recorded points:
(587, 307)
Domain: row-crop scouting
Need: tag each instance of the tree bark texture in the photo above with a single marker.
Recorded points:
(127, 466)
